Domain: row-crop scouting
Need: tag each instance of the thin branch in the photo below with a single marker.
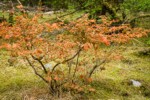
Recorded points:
(70, 13)
(61, 84)
(95, 67)
(38, 59)
(69, 66)
(19, 2)
(76, 65)
(65, 81)
(67, 59)
(35, 70)
(80, 16)
(40, 63)
(136, 40)
(137, 17)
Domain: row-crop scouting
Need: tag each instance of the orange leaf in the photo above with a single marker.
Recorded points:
(55, 26)
(19, 6)
(38, 51)
(105, 40)
(87, 46)
(7, 46)
(48, 79)
(91, 89)
(80, 89)
(7, 36)
(82, 76)
(89, 80)
(56, 78)
(15, 45)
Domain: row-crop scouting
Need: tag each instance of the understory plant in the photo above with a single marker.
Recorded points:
(76, 52)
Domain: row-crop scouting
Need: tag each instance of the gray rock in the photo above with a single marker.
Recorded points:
(48, 66)
(136, 83)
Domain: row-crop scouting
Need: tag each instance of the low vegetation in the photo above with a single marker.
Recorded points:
(85, 57)
(18, 81)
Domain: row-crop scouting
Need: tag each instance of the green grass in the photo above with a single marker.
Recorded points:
(67, 18)
(114, 82)
(17, 82)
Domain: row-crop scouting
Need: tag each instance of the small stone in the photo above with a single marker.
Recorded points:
(136, 83)
(48, 66)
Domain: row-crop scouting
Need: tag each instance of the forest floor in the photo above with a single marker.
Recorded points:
(18, 82)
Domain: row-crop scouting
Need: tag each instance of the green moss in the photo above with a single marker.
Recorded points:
(112, 83)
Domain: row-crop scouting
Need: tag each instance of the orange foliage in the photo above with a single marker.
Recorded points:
(86, 30)
(19, 6)
(25, 39)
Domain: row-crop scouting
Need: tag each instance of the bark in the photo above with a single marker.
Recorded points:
(35, 71)
(95, 67)
(67, 59)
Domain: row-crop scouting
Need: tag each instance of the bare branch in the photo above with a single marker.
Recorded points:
(39, 60)
(33, 67)
(140, 16)
(95, 67)
(67, 59)
(70, 13)
(75, 70)
(69, 66)
(19, 2)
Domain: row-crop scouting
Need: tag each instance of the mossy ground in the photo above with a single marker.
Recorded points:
(18, 81)
(115, 81)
